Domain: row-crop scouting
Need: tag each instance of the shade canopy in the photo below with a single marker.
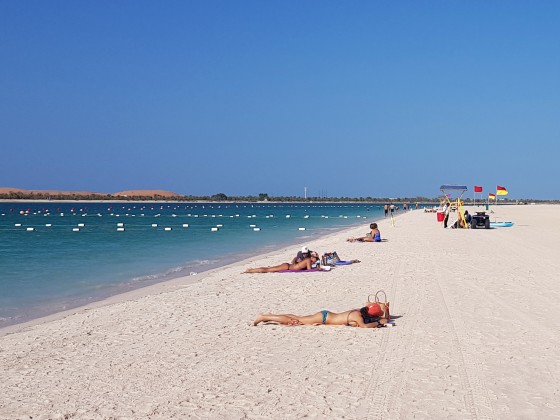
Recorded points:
(453, 187)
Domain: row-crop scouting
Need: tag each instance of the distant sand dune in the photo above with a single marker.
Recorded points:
(150, 193)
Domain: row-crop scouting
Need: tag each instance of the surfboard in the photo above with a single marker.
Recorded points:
(501, 224)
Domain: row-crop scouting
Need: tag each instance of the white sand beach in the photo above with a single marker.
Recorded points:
(476, 336)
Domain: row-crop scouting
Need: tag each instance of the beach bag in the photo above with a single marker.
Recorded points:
(330, 258)
(373, 306)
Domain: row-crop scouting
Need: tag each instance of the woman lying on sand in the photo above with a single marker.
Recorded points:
(372, 317)
(373, 236)
(306, 264)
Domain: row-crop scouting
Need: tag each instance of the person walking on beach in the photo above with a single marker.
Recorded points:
(373, 236)
(386, 208)
(306, 264)
(372, 317)
(446, 211)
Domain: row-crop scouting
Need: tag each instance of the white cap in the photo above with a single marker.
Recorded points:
(304, 249)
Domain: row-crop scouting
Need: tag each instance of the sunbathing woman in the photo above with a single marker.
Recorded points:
(365, 317)
(373, 236)
(306, 264)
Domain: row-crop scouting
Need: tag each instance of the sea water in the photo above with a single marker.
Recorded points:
(56, 256)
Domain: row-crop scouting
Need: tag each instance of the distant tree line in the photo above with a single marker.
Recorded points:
(262, 197)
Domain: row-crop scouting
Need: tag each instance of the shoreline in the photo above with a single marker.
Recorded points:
(181, 268)
(164, 286)
(476, 324)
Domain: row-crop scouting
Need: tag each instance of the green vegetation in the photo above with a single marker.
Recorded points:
(262, 197)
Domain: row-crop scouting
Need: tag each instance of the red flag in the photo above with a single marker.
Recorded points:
(477, 188)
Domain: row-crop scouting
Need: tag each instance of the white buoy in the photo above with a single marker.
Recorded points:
(167, 229)
(75, 229)
(185, 225)
(81, 225)
(306, 216)
(48, 225)
(301, 228)
(17, 225)
(288, 216)
(30, 229)
(252, 225)
(219, 226)
(214, 229)
(256, 229)
(120, 224)
(120, 229)
(154, 224)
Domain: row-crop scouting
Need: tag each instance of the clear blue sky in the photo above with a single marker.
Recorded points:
(346, 98)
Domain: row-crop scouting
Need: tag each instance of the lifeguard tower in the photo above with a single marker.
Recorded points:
(452, 196)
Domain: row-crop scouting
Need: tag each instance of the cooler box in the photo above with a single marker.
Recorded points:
(440, 216)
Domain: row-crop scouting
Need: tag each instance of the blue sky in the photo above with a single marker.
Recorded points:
(356, 98)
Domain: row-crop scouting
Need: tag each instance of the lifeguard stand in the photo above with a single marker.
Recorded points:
(452, 196)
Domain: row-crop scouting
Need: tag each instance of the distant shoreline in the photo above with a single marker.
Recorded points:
(357, 201)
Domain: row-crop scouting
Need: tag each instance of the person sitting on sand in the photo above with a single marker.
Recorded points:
(301, 255)
(365, 317)
(462, 222)
(306, 264)
(373, 236)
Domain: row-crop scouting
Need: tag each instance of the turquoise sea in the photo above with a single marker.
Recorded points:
(56, 256)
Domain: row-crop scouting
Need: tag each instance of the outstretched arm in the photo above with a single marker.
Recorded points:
(355, 319)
